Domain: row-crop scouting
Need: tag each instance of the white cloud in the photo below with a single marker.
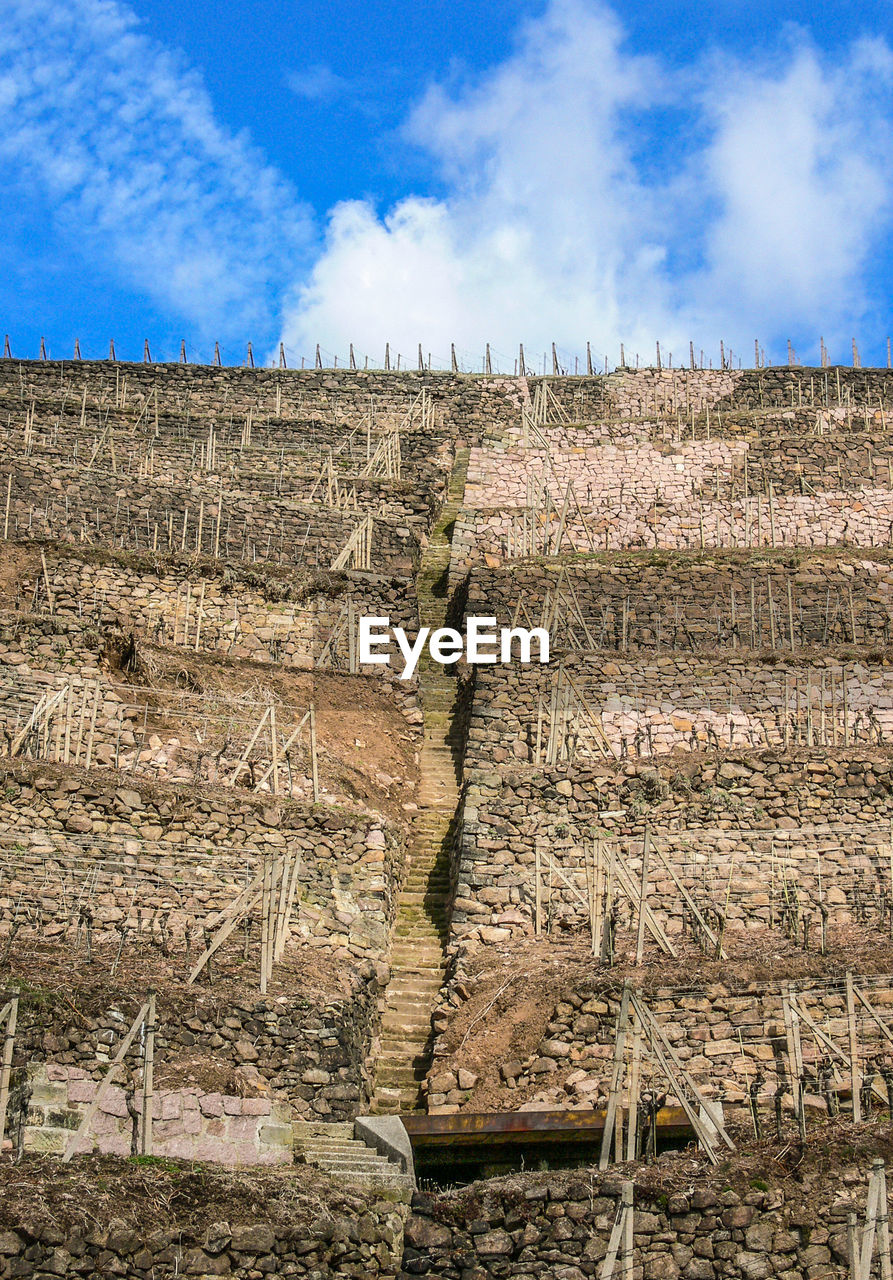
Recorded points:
(123, 139)
(554, 226)
(801, 158)
(591, 193)
(318, 83)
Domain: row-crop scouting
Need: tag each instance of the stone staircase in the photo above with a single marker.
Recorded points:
(422, 923)
(334, 1149)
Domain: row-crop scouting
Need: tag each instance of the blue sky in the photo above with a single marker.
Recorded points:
(567, 171)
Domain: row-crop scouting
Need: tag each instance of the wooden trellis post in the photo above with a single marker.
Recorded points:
(148, 1078)
(854, 1047)
(8, 1018)
(875, 1235)
(643, 893)
(616, 1076)
(621, 1238)
(233, 914)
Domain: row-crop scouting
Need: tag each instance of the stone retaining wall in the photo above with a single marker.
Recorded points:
(75, 505)
(780, 825)
(187, 1124)
(726, 1037)
(673, 702)
(655, 601)
(829, 519)
(314, 1055)
(560, 1225)
(130, 1221)
(243, 614)
(149, 856)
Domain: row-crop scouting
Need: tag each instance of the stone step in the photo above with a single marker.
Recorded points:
(421, 928)
(355, 1153)
(411, 992)
(412, 987)
(428, 932)
(422, 949)
(361, 1159)
(335, 1129)
(418, 933)
(404, 1049)
(406, 1023)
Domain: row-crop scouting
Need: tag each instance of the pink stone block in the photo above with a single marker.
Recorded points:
(113, 1103)
(192, 1122)
(164, 1130)
(215, 1128)
(171, 1106)
(81, 1090)
(205, 1148)
(256, 1106)
(112, 1145)
(182, 1148)
(103, 1124)
(273, 1155)
(232, 1106)
(211, 1104)
(190, 1102)
(242, 1129)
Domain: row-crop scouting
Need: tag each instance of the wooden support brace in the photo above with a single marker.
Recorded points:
(107, 1080)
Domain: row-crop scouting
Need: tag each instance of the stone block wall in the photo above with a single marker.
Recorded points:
(187, 1123)
(72, 504)
(672, 702)
(110, 1218)
(336, 396)
(864, 519)
(242, 613)
(560, 1225)
(727, 1036)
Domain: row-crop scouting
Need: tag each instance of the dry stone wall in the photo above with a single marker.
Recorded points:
(815, 520)
(726, 601)
(247, 614)
(311, 1055)
(146, 855)
(556, 1225)
(738, 833)
(138, 1226)
(730, 1039)
(671, 702)
(73, 505)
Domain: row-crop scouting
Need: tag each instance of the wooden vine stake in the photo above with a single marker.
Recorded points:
(853, 1046)
(314, 760)
(8, 1018)
(616, 1076)
(148, 1079)
(643, 893)
(875, 1235)
(621, 1238)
